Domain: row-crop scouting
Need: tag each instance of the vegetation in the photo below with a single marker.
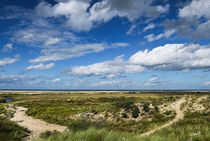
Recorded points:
(114, 116)
(135, 112)
(10, 131)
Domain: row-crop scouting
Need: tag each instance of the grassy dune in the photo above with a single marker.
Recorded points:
(118, 110)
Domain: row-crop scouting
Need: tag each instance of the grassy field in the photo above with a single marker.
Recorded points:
(118, 115)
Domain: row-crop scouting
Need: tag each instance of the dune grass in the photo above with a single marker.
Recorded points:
(58, 110)
(195, 127)
(10, 131)
(92, 134)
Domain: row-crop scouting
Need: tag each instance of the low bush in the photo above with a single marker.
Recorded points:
(146, 107)
(167, 112)
(124, 103)
(124, 115)
(156, 108)
(135, 112)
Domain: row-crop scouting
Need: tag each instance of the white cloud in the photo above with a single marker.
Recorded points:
(81, 16)
(174, 57)
(150, 26)
(152, 37)
(8, 79)
(42, 36)
(52, 41)
(40, 67)
(163, 9)
(153, 81)
(61, 53)
(170, 57)
(110, 68)
(193, 20)
(8, 47)
(196, 9)
(56, 80)
(131, 29)
(206, 83)
(7, 61)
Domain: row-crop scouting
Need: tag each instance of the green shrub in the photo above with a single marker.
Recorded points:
(146, 107)
(124, 103)
(94, 111)
(156, 109)
(135, 112)
(124, 115)
(167, 112)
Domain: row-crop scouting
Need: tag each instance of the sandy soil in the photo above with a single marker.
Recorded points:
(36, 126)
(179, 115)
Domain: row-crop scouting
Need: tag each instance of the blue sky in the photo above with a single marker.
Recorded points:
(104, 44)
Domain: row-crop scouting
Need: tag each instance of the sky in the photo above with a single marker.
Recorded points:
(104, 44)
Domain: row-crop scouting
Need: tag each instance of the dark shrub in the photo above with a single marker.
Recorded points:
(94, 111)
(146, 107)
(2, 100)
(167, 112)
(156, 109)
(135, 112)
(124, 115)
(124, 103)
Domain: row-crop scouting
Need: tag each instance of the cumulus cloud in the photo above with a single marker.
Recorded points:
(61, 53)
(40, 66)
(152, 37)
(196, 9)
(110, 68)
(176, 57)
(163, 9)
(81, 16)
(193, 20)
(7, 61)
(170, 57)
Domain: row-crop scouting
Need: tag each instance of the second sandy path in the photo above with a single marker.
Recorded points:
(179, 115)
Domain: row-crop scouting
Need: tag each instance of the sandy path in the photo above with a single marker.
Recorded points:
(179, 115)
(36, 126)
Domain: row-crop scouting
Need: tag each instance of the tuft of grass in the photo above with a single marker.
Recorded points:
(10, 131)
(92, 134)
